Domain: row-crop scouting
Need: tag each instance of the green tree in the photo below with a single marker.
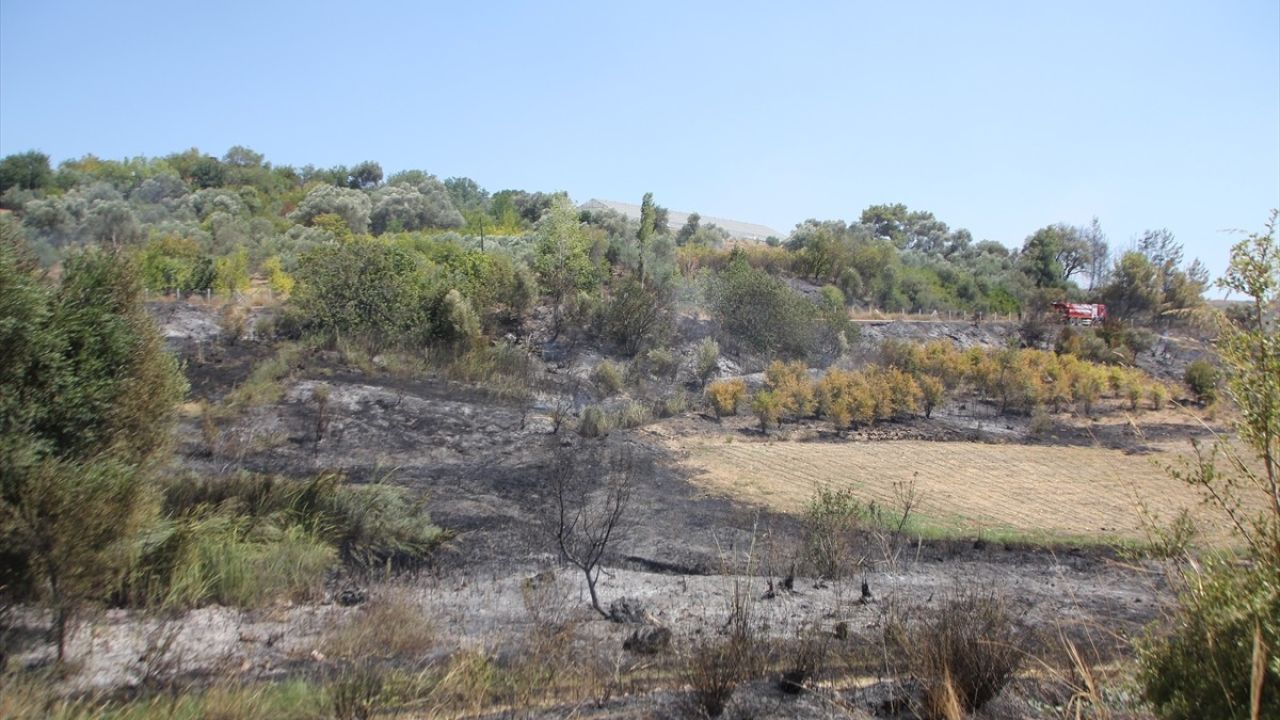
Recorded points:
(364, 289)
(26, 171)
(645, 234)
(562, 257)
(87, 394)
(1053, 254)
(688, 230)
(1221, 656)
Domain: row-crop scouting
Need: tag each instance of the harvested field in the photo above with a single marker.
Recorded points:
(1058, 492)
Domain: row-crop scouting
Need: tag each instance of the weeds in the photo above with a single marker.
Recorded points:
(388, 627)
(962, 653)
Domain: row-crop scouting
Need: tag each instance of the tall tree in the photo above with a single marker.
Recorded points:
(1099, 253)
(645, 233)
(25, 171)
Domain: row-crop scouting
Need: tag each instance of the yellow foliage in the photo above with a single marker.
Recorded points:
(725, 396)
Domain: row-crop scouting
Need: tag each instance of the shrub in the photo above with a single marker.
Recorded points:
(725, 396)
(593, 422)
(633, 415)
(1201, 378)
(962, 652)
(385, 628)
(832, 520)
(767, 406)
(671, 406)
(608, 377)
(790, 383)
(706, 360)
(637, 314)
(1201, 668)
(932, 393)
(713, 670)
(661, 362)
(763, 311)
(1158, 395)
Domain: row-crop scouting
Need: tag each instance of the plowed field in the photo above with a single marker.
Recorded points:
(1068, 492)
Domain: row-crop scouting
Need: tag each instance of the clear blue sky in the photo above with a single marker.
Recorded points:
(998, 117)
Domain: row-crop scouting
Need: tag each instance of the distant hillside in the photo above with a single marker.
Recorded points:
(737, 229)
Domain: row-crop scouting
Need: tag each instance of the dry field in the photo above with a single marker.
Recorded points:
(967, 488)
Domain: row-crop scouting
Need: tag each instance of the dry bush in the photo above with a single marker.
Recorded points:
(791, 385)
(671, 406)
(231, 323)
(725, 396)
(608, 377)
(593, 423)
(706, 360)
(804, 658)
(387, 627)
(633, 415)
(962, 652)
(713, 674)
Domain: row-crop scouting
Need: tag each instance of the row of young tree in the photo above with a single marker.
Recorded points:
(914, 379)
(202, 223)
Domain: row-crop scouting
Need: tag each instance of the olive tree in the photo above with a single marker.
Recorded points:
(352, 206)
(405, 207)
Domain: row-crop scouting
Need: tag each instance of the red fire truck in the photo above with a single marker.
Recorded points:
(1081, 313)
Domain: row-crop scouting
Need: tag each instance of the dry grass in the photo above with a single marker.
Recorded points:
(1055, 492)
(387, 627)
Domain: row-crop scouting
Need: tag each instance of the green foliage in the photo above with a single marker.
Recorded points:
(608, 377)
(1220, 654)
(86, 400)
(763, 312)
(1201, 378)
(562, 254)
(637, 315)
(768, 407)
(1202, 667)
(353, 206)
(25, 171)
(593, 423)
(365, 289)
(832, 519)
(706, 360)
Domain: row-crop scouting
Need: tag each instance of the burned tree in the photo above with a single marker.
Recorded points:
(589, 494)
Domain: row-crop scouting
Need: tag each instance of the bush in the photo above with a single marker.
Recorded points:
(767, 406)
(671, 406)
(706, 360)
(713, 671)
(725, 396)
(633, 415)
(608, 377)
(790, 383)
(385, 628)
(1201, 378)
(1201, 668)
(593, 422)
(661, 362)
(831, 521)
(963, 653)
(763, 311)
